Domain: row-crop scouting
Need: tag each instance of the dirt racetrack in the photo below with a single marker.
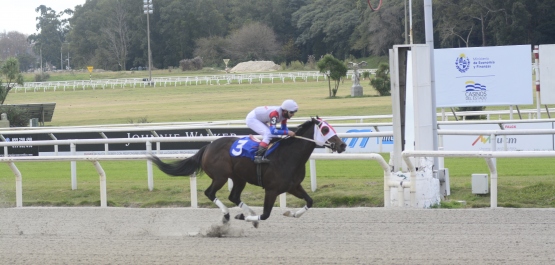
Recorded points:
(321, 236)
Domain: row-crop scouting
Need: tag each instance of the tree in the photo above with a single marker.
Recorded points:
(483, 11)
(10, 72)
(18, 116)
(542, 25)
(116, 34)
(13, 44)
(454, 26)
(276, 14)
(514, 25)
(254, 41)
(180, 29)
(211, 50)
(85, 33)
(334, 69)
(290, 52)
(382, 82)
(326, 27)
(52, 33)
(379, 31)
(179, 24)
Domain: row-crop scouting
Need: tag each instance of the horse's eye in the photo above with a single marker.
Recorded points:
(325, 130)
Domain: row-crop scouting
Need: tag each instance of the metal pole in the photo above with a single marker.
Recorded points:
(537, 69)
(429, 26)
(406, 25)
(410, 21)
(148, 33)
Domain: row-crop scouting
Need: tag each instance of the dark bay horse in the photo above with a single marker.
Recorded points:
(284, 172)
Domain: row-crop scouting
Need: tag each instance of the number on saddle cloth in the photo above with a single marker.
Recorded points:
(247, 147)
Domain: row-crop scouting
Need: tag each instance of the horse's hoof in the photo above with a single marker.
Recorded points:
(255, 224)
(240, 217)
(289, 214)
(225, 219)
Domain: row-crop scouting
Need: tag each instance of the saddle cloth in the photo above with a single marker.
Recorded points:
(247, 147)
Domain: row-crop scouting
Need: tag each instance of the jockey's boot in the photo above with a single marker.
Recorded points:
(259, 157)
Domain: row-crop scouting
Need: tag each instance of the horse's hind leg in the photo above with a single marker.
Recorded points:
(300, 193)
(235, 197)
(211, 194)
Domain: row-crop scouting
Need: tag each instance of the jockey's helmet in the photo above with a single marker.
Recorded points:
(289, 105)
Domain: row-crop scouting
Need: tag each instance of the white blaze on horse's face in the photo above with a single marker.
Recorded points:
(323, 132)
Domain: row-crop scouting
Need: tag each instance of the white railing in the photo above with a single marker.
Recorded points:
(218, 79)
(170, 80)
(148, 150)
(488, 156)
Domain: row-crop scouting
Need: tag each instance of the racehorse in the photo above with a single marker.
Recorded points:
(284, 172)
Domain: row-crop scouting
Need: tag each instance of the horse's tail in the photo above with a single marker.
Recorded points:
(184, 167)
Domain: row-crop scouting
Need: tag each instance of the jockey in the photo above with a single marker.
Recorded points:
(264, 119)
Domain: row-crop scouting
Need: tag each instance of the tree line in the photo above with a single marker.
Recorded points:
(112, 34)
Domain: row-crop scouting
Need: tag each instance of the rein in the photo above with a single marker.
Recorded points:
(304, 138)
(311, 140)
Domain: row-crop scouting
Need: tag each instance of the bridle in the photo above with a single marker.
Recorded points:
(327, 144)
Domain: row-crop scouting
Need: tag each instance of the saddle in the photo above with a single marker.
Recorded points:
(247, 147)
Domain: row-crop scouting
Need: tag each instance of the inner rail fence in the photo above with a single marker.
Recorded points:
(489, 156)
(148, 150)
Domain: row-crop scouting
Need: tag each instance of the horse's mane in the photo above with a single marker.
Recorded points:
(301, 129)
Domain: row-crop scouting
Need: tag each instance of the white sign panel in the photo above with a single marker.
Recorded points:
(367, 144)
(547, 74)
(483, 76)
(503, 143)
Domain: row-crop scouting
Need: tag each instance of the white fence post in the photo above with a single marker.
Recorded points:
(283, 200)
(193, 188)
(493, 172)
(149, 167)
(73, 163)
(18, 185)
(102, 176)
(313, 183)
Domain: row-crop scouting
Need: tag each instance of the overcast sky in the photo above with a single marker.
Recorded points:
(19, 15)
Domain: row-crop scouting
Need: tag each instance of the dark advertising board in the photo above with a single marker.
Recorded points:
(129, 148)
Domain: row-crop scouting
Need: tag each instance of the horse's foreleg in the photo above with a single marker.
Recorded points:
(235, 197)
(300, 193)
(246, 209)
(269, 200)
(248, 212)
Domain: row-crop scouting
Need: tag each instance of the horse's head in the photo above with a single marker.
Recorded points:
(323, 134)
